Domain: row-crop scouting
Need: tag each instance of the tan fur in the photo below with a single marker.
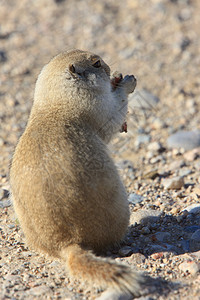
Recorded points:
(65, 187)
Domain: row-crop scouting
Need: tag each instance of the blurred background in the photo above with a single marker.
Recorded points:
(159, 158)
(156, 40)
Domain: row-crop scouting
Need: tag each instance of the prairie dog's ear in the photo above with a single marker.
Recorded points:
(72, 68)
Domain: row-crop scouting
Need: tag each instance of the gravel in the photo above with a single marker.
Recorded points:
(157, 41)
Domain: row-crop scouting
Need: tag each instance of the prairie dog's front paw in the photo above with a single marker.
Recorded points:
(116, 79)
(129, 83)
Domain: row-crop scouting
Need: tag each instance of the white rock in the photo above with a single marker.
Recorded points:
(111, 294)
(193, 208)
(189, 266)
(144, 216)
(5, 203)
(187, 140)
(154, 146)
(175, 183)
(39, 290)
(135, 198)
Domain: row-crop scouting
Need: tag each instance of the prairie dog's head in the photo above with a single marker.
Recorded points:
(72, 76)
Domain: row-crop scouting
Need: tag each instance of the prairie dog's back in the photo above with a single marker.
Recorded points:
(65, 187)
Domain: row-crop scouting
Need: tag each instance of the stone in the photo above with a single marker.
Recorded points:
(196, 190)
(175, 165)
(189, 266)
(145, 230)
(162, 236)
(4, 194)
(137, 258)
(175, 210)
(184, 172)
(151, 174)
(155, 160)
(111, 294)
(144, 216)
(157, 255)
(197, 165)
(196, 235)
(192, 154)
(175, 183)
(155, 248)
(193, 208)
(39, 290)
(187, 140)
(12, 278)
(185, 244)
(5, 203)
(195, 254)
(125, 251)
(157, 123)
(134, 198)
(154, 146)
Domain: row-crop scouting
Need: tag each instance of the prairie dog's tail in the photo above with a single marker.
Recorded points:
(101, 272)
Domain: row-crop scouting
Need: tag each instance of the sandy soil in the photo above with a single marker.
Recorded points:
(159, 42)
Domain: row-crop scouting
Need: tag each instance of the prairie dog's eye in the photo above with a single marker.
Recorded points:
(72, 68)
(97, 64)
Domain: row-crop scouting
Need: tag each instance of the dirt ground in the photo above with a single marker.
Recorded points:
(159, 42)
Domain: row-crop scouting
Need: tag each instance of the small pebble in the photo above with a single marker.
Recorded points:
(4, 194)
(154, 146)
(184, 172)
(193, 208)
(125, 251)
(175, 210)
(157, 123)
(155, 160)
(189, 266)
(144, 216)
(175, 183)
(134, 198)
(197, 190)
(192, 154)
(145, 230)
(137, 258)
(38, 291)
(157, 255)
(5, 203)
(177, 164)
(111, 294)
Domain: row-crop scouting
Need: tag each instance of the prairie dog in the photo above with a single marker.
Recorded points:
(66, 190)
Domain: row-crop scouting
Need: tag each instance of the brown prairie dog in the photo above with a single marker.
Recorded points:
(66, 191)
